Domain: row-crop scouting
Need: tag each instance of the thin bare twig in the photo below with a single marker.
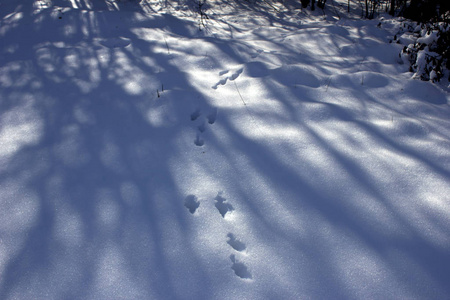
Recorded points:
(167, 45)
(243, 101)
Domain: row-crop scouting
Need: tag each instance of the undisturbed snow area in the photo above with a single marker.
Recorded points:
(274, 153)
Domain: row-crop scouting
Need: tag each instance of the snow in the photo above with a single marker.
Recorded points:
(428, 37)
(270, 155)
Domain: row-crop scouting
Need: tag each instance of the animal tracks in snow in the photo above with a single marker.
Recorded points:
(239, 268)
(191, 203)
(202, 127)
(195, 115)
(231, 77)
(235, 243)
(211, 117)
(258, 52)
(224, 207)
(199, 141)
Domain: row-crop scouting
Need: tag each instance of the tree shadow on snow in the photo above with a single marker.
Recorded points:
(91, 202)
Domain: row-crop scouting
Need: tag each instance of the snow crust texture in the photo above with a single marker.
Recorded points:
(277, 153)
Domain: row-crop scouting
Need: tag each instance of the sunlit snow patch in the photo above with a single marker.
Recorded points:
(20, 127)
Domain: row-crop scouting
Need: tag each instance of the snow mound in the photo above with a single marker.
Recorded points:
(363, 79)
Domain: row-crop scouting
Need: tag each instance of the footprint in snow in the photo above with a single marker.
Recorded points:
(258, 52)
(201, 127)
(212, 116)
(220, 82)
(236, 74)
(222, 205)
(199, 141)
(231, 77)
(239, 268)
(195, 115)
(191, 203)
(235, 243)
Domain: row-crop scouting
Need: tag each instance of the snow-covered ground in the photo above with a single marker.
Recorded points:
(277, 153)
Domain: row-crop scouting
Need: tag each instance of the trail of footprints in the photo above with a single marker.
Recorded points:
(210, 118)
(224, 207)
(227, 77)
